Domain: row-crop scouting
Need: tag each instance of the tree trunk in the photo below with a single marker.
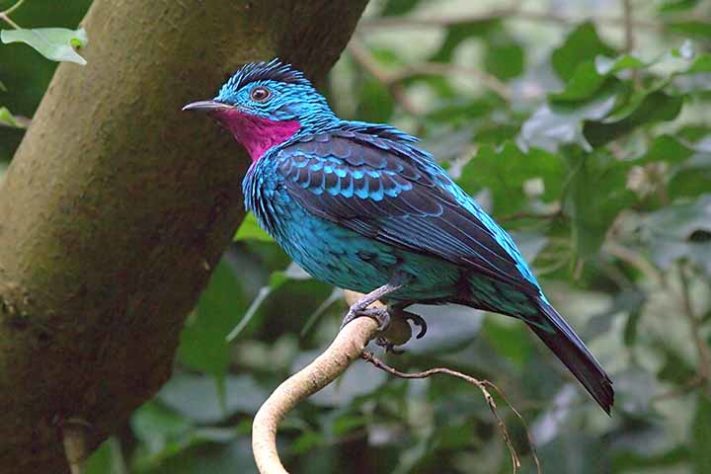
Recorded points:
(117, 206)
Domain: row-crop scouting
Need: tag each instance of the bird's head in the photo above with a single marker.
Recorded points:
(264, 104)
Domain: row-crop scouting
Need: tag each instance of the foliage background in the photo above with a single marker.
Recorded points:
(583, 127)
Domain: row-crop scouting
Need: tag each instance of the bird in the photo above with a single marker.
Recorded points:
(362, 207)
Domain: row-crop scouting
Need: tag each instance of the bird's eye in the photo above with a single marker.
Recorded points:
(260, 94)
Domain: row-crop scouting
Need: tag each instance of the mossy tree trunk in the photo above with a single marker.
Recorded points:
(117, 206)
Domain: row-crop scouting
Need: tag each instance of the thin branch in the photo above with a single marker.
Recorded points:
(346, 348)
(498, 14)
(362, 56)
(628, 26)
(482, 385)
(635, 259)
(11, 9)
(5, 14)
(74, 431)
(440, 69)
(8, 20)
(392, 81)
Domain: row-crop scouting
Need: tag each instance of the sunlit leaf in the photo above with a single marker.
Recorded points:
(7, 119)
(57, 44)
(582, 45)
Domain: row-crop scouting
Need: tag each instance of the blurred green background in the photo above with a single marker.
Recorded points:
(583, 127)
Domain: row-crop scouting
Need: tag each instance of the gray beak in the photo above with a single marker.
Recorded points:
(206, 105)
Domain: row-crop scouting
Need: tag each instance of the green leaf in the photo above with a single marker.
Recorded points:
(682, 230)
(511, 339)
(693, 28)
(701, 434)
(590, 76)
(460, 32)
(399, 7)
(197, 396)
(222, 304)
(701, 64)
(596, 195)
(504, 57)
(6, 118)
(657, 106)
(376, 103)
(581, 45)
(57, 44)
(157, 426)
(584, 82)
(250, 230)
(553, 125)
(668, 149)
(505, 171)
(670, 6)
(107, 459)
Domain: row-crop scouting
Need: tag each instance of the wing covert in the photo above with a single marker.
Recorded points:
(393, 193)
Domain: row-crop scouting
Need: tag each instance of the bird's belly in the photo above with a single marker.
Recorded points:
(349, 260)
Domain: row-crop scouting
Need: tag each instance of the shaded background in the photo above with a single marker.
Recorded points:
(584, 128)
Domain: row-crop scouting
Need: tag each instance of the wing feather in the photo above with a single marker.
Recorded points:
(394, 193)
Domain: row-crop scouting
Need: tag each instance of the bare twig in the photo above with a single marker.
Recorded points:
(393, 80)
(482, 385)
(441, 69)
(74, 440)
(635, 259)
(5, 14)
(628, 26)
(360, 54)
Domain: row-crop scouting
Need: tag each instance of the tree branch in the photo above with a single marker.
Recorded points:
(348, 346)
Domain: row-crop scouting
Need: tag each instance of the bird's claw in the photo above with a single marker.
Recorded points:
(418, 321)
(388, 346)
(380, 314)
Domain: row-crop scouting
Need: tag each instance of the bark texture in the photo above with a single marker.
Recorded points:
(117, 206)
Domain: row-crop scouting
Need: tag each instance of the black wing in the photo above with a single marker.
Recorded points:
(393, 193)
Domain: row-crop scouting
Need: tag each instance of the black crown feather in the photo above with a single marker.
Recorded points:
(274, 70)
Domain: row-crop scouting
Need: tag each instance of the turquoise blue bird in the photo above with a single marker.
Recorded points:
(363, 207)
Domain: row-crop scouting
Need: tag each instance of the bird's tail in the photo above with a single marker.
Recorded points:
(567, 346)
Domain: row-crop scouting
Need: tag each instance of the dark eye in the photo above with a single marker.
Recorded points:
(260, 94)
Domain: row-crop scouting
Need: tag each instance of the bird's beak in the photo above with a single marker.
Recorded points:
(206, 105)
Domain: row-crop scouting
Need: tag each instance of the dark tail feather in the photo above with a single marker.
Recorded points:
(568, 347)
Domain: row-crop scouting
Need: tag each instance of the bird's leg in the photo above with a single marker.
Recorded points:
(380, 314)
(400, 330)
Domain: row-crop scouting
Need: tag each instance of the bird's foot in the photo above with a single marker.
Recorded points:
(380, 314)
(400, 331)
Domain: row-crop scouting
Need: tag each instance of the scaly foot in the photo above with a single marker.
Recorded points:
(380, 314)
